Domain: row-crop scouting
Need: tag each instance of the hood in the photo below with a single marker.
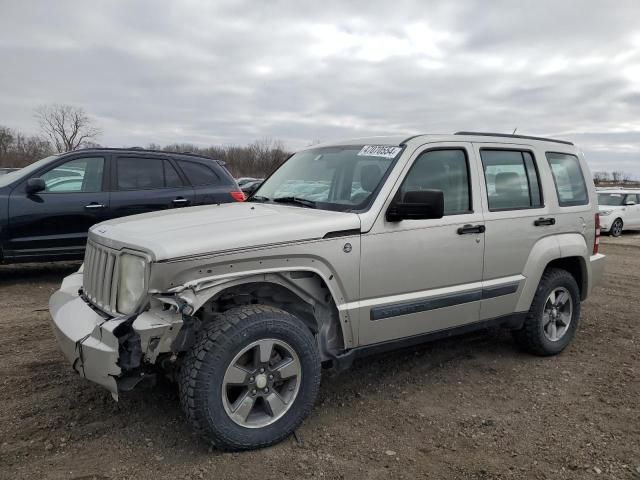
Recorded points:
(219, 228)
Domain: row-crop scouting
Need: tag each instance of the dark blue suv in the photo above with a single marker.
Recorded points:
(47, 207)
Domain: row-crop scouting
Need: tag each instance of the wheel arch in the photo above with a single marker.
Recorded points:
(577, 267)
(567, 251)
(303, 293)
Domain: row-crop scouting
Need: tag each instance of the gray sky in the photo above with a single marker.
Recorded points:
(221, 72)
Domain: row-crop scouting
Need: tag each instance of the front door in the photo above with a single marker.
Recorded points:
(53, 223)
(420, 276)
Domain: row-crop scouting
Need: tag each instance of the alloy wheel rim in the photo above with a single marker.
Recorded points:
(261, 383)
(557, 313)
(617, 227)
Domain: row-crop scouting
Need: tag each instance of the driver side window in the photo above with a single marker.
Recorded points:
(445, 170)
(78, 175)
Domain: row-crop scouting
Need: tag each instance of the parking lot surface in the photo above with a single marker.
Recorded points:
(472, 407)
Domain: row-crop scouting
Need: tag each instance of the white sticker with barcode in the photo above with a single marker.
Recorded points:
(385, 151)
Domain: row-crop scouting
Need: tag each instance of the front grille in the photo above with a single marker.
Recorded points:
(99, 279)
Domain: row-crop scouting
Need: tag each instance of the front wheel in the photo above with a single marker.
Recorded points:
(616, 227)
(251, 379)
(552, 320)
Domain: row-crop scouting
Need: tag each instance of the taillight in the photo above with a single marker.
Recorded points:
(596, 239)
(238, 196)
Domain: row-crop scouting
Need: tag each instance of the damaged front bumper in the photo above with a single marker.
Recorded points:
(85, 337)
(108, 350)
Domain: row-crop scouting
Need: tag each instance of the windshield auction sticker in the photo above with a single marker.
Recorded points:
(385, 151)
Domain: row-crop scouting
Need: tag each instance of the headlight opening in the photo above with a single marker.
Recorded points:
(131, 283)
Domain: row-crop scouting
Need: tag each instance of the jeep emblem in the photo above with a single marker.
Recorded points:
(347, 248)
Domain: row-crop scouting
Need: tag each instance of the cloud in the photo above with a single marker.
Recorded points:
(231, 72)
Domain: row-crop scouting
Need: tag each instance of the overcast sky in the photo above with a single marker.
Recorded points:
(217, 72)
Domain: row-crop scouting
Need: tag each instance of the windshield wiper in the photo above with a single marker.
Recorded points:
(296, 201)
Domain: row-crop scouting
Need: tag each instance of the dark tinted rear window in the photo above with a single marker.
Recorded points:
(136, 173)
(199, 174)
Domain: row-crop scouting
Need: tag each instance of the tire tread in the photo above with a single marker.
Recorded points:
(213, 336)
(529, 337)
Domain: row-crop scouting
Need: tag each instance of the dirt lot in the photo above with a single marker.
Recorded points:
(471, 407)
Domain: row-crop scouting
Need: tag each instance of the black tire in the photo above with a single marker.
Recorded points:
(202, 373)
(531, 337)
(616, 228)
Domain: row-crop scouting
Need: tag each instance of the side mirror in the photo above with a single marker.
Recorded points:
(35, 185)
(630, 202)
(417, 205)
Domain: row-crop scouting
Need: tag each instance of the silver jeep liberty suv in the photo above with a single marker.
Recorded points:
(348, 248)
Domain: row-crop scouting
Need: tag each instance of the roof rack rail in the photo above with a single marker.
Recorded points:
(508, 135)
(152, 150)
(402, 143)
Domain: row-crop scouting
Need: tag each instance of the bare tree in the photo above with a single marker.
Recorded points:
(259, 158)
(68, 127)
(600, 177)
(7, 137)
(616, 176)
(19, 150)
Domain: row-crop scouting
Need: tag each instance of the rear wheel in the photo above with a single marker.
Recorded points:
(251, 379)
(552, 320)
(616, 227)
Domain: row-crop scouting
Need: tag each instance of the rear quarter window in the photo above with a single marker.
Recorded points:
(568, 178)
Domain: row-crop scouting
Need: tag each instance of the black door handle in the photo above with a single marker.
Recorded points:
(544, 221)
(180, 201)
(471, 229)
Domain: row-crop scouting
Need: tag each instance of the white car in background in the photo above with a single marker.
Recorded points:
(619, 210)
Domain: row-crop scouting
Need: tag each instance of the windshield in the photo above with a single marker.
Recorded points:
(24, 172)
(342, 178)
(610, 199)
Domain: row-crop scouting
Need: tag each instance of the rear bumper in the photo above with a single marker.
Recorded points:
(85, 338)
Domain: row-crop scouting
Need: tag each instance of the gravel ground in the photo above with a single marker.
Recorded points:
(472, 407)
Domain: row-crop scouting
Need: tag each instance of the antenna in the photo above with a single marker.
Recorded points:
(514, 131)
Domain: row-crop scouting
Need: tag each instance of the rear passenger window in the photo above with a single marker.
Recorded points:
(137, 173)
(512, 179)
(445, 170)
(199, 174)
(568, 178)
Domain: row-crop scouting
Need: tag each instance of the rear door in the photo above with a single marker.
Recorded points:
(516, 216)
(210, 183)
(146, 183)
(54, 223)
